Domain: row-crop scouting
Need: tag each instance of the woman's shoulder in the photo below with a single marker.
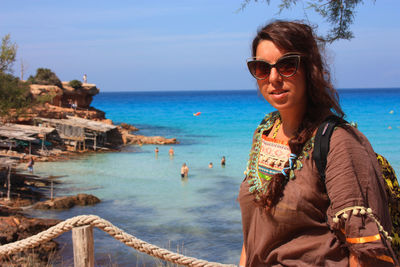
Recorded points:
(348, 135)
(348, 143)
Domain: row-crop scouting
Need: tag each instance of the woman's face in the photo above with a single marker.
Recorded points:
(286, 94)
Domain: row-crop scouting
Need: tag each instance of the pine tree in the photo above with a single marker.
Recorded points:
(338, 13)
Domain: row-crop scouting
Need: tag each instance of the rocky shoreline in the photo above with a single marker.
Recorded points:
(29, 191)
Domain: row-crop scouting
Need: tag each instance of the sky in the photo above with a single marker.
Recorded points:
(170, 45)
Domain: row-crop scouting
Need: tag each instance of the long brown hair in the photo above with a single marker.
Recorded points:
(322, 98)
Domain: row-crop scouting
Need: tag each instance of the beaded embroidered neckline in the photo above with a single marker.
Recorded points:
(278, 125)
(260, 185)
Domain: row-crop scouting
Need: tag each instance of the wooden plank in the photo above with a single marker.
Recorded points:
(83, 244)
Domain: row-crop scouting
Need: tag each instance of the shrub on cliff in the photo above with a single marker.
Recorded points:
(46, 77)
(76, 84)
(40, 100)
(14, 95)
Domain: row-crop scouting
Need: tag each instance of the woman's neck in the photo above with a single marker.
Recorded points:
(290, 123)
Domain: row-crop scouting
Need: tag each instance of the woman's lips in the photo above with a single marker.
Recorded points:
(279, 96)
(279, 92)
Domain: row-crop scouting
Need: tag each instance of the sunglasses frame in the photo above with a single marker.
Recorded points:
(254, 59)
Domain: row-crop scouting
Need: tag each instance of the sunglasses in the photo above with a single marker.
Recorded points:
(286, 66)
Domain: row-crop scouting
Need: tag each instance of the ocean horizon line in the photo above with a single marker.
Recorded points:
(247, 90)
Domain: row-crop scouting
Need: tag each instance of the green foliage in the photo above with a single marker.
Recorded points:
(42, 99)
(14, 94)
(31, 79)
(338, 13)
(8, 53)
(76, 84)
(46, 77)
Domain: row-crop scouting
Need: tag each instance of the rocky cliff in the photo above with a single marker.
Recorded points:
(67, 95)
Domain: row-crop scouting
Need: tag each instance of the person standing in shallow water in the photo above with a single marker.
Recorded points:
(290, 216)
(184, 171)
(30, 164)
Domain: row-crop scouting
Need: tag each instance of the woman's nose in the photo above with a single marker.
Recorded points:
(274, 76)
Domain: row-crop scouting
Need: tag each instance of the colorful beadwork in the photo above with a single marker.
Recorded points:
(272, 157)
(259, 185)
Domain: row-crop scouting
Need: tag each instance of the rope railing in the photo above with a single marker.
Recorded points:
(112, 230)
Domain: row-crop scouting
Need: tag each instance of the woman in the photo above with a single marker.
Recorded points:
(290, 216)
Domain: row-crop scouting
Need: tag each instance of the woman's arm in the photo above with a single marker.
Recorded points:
(357, 194)
(242, 261)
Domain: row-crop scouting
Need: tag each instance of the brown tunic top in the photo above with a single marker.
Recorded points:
(302, 230)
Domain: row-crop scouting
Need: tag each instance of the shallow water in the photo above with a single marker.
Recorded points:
(145, 196)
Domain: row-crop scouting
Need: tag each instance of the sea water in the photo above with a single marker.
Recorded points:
(144, 195)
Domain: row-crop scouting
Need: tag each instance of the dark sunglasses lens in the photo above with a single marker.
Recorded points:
(259, 69)
(287, 66)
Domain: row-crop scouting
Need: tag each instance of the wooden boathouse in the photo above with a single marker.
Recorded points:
(10, 134)
(79, 133)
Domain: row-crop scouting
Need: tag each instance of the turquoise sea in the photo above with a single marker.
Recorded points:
(145, 196)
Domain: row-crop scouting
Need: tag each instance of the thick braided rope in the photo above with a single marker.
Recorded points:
(112, 230)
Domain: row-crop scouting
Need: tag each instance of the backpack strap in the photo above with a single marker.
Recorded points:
(321, 142)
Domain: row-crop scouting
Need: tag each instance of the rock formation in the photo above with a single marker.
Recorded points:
(141, 139)
(52, 91)
(14, 227)
(67, 202)
(82, 96)
(67, 95)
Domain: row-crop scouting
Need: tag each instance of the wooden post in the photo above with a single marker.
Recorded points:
(83, 244)
(51, 191)
(95, 140)
(9, 183)
(43, 142)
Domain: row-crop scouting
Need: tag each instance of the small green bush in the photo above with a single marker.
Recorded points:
(14, 94)
(42, 99)
(46, 77)
(31, 79)
(76, 84)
